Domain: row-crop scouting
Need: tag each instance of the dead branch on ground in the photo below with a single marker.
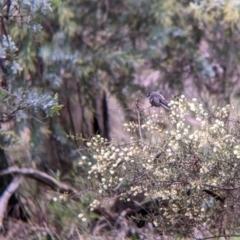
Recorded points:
(44, 178)
(10, 190)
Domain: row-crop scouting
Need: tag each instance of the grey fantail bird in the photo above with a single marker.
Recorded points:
(157, 100)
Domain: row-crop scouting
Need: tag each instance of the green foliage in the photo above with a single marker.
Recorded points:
(9, 49)
(69, 214)
(27, 103)
(9, 138)
(18, 100)
(210, 11)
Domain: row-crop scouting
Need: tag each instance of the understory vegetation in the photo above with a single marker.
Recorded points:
(184, 177)
(82, 153)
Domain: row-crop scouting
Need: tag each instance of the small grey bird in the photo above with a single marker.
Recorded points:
(157, 100)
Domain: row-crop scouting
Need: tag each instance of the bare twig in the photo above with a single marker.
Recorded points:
(42, 177)
(12, 187)
(138, 115)
(219, 236)
(222, 188)
(157, 156)
(139, 125)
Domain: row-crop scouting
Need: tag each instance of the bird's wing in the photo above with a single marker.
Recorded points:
(164, 103)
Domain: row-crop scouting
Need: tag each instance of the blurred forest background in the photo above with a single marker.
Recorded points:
(72, 69)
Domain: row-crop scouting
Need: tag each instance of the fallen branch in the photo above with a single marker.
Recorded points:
(10, 190)
(42, 177)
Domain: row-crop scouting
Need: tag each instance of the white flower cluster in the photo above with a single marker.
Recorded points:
(83, 161)
(222, 112)
(178, 109)
(112, 162)
(237, 151)
(181, 107)
(94, 204)
(82, 217)
(60, 198)
(217, 127)
(131, 126)
(153, 122)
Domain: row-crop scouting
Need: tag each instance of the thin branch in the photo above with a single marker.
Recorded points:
(139, 125)
(42, 177)
(12, 187)
(157, 156)
(214, 195)
(138, 115)
(218, 236)
(222, 188)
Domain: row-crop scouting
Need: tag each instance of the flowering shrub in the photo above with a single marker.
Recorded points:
(190, 173)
